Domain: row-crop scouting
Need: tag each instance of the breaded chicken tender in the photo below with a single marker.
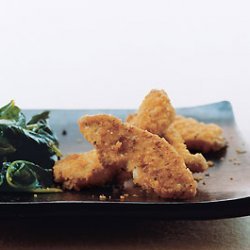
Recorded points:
(156, 114)
(77, 171)
(195, 162)
(198, 135)
(155, 164)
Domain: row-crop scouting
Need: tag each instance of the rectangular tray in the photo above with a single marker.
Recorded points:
(224, 193)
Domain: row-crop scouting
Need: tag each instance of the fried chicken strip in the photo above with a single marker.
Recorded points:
(195, 162)
(155, 164)
(156, 114)
(198, 135)
(77, 171)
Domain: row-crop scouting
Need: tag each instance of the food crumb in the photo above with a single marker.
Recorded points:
(231, 178)
(122, 197)
(126, 195)
(102, 197)
(204, 183)
(135, 195)
(35, 195)
(222, 158)
(207, 174)
(198, 178)
(240, 151)
(237, 163)
(210, 163)
(64, 132)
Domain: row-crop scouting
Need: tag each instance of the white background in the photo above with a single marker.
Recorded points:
(109, 54)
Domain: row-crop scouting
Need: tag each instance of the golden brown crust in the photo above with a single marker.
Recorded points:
(195, 162)
(155, 164)
(105, 130)
(200, 136)
(78, 171)
(131, 119)
(156, 114)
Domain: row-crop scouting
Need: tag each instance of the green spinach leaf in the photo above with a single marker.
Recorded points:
(28, 151)
(13, 113)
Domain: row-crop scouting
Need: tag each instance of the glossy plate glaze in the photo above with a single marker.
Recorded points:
(223, 191)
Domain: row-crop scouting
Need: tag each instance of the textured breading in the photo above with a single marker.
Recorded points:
(195, 162)
(155, 164)
(77, 171)
(200, 136)
(156, 114)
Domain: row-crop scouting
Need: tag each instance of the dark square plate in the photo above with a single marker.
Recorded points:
(224, 193)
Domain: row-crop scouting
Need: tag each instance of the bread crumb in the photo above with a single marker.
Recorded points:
(240, 151)
(198, 178)
(64, 132)
(102, 197)
(122, 197)
(237, 163)
(210, 163)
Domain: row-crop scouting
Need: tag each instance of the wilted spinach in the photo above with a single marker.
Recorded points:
(28, 150)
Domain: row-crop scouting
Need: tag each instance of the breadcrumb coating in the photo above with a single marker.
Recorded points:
(155, 164)
(77, 171)
(199, 136)
(195, 162)
(156, 114)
